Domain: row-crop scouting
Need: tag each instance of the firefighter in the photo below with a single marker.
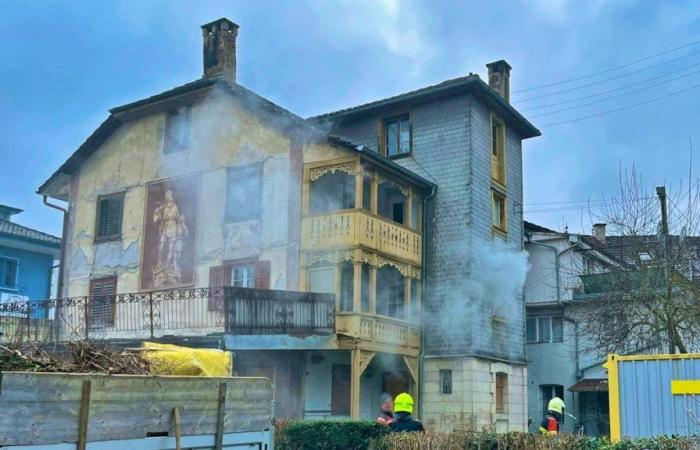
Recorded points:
(554, 417)
(386, 409)
(403, 420)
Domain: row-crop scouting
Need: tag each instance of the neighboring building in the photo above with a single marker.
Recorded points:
(27, 261)
(210, 185)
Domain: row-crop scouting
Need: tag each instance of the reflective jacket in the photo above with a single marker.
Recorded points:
(549, 425)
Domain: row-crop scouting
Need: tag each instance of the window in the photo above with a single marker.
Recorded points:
(321, 280)
(177, 130)
(498, 163)
(446, 381)
(365, 287)
(391, 202)
(247, 273)
(9, 272)
(545, 329)
(501, 392)
(332, 192)
(110, 209)
(102, 303)
(398, 136)
(243, 275)
(244, 193)
(548, 392)
(347, 276)
(498, 211)
(390, 292)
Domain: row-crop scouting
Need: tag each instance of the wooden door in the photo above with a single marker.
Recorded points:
(340, 392)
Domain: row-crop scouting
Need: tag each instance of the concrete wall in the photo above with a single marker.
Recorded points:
(34, 272)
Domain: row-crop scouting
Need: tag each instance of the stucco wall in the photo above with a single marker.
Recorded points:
(34, 272)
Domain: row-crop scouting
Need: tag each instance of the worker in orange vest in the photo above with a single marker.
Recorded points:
(554, 417)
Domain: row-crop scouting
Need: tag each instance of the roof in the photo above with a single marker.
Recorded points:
(120, 114)
(469, 83)
(9, 210)
(534, 228)
(15, 230)
(590, 385)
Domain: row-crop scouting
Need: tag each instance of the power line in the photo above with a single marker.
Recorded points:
(585, 97)
(583, 105)
(590, 116)
(631, 63)
(602, 200)
(605, 80)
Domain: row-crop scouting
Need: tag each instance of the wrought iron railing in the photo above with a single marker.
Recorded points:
(154, 314)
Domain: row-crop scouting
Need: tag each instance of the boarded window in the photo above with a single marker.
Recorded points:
(101, 303)
(398, 136)
(9, 271)
(446, 381)
(110, 209)
(501, 392)
(340, 391)
(177, 130)
(244, 193)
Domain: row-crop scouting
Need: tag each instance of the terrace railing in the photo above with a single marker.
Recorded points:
(181, 312)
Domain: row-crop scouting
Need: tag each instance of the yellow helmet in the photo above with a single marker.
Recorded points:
(403, 403)
(556, 404)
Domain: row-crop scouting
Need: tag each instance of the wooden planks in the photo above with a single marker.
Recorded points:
(44, 408)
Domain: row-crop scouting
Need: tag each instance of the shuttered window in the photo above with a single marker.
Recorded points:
(244, 193)
(177, 130)
(108, 225)
(248, 272)
(102, 303)
(8, 272)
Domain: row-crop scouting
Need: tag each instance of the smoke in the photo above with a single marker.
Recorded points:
(479, 312)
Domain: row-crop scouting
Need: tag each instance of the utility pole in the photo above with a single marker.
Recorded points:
(670, 328)
(661, 193)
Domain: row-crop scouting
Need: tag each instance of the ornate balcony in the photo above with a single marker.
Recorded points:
(382, 330)
(359, 227)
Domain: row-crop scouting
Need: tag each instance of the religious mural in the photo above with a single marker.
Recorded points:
(170, 232)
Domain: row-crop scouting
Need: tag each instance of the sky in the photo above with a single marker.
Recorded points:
(63, 64)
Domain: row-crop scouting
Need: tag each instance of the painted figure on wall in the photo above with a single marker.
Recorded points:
(171, 210)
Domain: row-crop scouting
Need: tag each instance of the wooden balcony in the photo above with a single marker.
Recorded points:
(359, 227)
(396, 334)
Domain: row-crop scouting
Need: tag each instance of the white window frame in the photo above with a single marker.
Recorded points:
(550, 319)
(14, 288)
(246, 280)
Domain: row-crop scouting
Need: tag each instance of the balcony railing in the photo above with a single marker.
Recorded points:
(379, 329)
(183, 312)
(359, 227)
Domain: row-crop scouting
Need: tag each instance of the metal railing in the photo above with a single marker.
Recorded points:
(181, 312)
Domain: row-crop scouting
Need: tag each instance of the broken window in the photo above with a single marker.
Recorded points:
(398, 136)
(347, 272)
(390, 292)
(177, 130)
(244, 193)
(498, 211)
(501, 392)
(8, 272)
(101, 303)
(332, 192)
(446, 381)
(392, 202)
(498, 163)
(108, 224)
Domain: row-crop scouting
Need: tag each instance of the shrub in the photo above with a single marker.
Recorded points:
(329, 435)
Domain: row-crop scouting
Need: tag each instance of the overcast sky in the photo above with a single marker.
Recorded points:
(64, 64)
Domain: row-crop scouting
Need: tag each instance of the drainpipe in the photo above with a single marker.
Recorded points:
(62, 254)
(424, 289)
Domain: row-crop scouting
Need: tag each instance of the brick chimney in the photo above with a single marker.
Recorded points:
(220, 49)
(599, 232)
(499, 78)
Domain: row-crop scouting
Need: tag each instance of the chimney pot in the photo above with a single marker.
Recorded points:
(599, 231)
(220, 49)
(499, 78)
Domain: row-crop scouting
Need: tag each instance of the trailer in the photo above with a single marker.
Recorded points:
(652, 395)
(58, 411)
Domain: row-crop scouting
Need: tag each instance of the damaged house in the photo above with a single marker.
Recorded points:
(332, 254)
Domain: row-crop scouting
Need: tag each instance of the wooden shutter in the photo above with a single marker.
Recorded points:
(115, 216)
(262, 275)
(102, 218)
(101, 303)
(244, 192)
(216, 282)
(109, 216)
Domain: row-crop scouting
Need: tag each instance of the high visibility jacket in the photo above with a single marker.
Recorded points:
(549, 425)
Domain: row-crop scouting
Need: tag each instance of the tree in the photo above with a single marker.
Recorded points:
(649, 302)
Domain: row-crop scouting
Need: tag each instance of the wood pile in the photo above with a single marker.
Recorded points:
(74, 357)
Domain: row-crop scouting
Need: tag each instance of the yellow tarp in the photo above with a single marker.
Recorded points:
(168, 359)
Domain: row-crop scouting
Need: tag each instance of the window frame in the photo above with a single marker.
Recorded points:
(110, 237)
(111, 320)
(553, 393)
(502, 228)
(500, 157)
(445, 377)
(384, 135)
(502, 393)
(3, 260)
(169, 148)
(257, 213)
(231, 264)
(550, 320)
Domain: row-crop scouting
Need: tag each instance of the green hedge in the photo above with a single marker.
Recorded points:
(361, 435)
(328, 435)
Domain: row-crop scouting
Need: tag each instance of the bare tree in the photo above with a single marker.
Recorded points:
(649, 301)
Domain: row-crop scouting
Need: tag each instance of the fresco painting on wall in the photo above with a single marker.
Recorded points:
(170, 231)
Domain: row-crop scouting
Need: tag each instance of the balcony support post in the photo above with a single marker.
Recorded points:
(360, 359)
(409, 209)
(358, 185)
(372, 290)
(407, 298)
(374, 199)
(357, 286)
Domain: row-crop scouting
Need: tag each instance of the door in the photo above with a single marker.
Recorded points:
(395, 382)
(340, 391)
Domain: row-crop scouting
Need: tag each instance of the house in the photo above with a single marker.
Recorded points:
(27, 261)
(329, 254)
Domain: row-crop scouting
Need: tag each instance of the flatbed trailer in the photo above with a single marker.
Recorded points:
(57, 411)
